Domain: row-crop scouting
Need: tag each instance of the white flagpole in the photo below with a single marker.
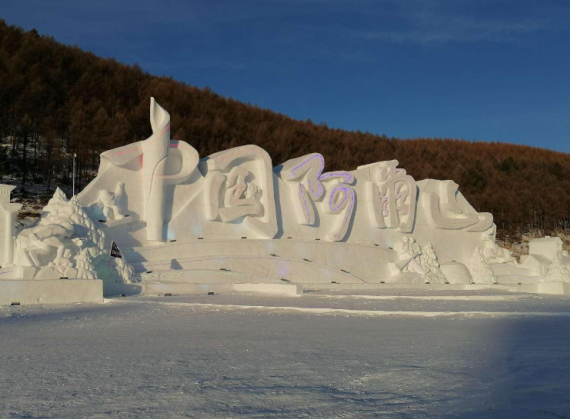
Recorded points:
(74, 155)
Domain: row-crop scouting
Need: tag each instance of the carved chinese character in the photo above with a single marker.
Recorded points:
(394, 195)
(231, 173)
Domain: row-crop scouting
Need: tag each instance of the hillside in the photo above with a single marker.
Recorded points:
(56, 100)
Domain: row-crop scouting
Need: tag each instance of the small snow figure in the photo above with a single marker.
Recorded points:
(557, 272)
(84, 264)
(411, 245)
(480, 269)
(409, 257)
(109, 202)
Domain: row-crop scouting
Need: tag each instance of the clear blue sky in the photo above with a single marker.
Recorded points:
(494, 70)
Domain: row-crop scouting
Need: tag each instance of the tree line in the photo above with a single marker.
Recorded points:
(57, 100)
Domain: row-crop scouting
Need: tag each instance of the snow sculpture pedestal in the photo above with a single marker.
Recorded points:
(56, 291)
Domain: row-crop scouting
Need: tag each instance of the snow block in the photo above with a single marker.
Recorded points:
(57, 291)
(553, 288)
(182, 288)
(116, 289)
(286, 290)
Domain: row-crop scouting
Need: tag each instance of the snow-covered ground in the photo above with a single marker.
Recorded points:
(393, 354)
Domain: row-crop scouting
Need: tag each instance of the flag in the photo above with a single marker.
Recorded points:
(115, 252)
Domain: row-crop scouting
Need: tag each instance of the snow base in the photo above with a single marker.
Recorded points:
(552, 288)
(57, 291)
(181, 288)
(555, 288)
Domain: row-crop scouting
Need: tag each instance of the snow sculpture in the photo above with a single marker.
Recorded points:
(154, 154)
(126, 271)
(417, 260)
(232, 177)
(480, 270)
(548, 247)
(429, 261)
(65, 243)
(302, 174)
(542, 252)
(44, 238)
(241, 198)
(353, 223)
(409, 254)
(294, 222)
(450, 210)
(109, 201)
(308, 185)
(557, 271)
(52, 234)
(492, 251)
(392, 196)
(456, 273)
(341, 200)
(84, 265)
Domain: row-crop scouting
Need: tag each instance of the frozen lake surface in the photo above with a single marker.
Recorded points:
(392, 354)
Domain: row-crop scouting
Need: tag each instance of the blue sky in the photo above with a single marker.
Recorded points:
(493, 70)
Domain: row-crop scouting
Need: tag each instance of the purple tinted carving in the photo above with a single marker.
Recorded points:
(316, 156)
(347, 177)
(348, 214)
(309, 221)
(333, 194)
(319, 171)
(317, 194)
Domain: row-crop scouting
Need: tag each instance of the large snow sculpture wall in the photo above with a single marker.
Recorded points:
(179, 213)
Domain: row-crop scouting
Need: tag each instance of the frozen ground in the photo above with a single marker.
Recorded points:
(396, 354)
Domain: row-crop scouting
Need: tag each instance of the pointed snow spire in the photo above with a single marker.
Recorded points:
(430, 261)
(59, 195)
(557, 272)
(480, 269)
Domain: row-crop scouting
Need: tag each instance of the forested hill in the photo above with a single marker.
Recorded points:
(56, 100)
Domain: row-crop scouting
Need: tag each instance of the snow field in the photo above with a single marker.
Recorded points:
(324, 355)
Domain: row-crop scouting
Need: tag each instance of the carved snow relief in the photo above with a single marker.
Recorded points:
(341, 200)
(240, 184)
(392, 196)
(109, 202)
(302, 174)
(422, 261)
(480, 270)
(449, 210)
(430, 261)
(60, 240)
(154, 154)
(333, 190)
(492, 251)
